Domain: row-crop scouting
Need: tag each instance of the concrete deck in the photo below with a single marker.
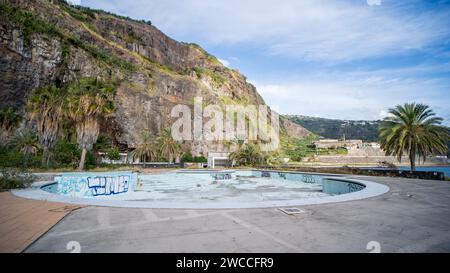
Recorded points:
(413, 217)
(23, 221)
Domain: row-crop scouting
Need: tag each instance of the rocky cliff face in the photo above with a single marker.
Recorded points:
(44, 42)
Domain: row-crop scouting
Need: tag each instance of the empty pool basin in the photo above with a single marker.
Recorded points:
(202, 189)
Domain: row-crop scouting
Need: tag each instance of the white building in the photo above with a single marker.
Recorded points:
(218, 159)
(124, 159)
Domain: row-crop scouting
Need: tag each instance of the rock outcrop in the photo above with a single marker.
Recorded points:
(50, 42)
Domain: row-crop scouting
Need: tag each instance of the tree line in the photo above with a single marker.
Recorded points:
(79, 106)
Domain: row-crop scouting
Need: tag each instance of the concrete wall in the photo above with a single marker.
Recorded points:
(366, 151)
(356, 159)
(371, 159)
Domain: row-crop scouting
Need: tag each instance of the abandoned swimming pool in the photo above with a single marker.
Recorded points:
(202, 189)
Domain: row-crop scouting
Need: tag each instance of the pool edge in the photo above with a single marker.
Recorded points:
(371, 189)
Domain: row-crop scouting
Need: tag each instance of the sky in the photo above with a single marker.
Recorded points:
(342, 59)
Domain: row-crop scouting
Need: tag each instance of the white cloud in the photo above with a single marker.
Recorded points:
(373, 2)
(76, 2)
(362, 95)
(383, 114)
(224, 62)
(313, 30)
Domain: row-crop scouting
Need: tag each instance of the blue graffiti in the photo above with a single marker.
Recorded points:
(108, 185)
(222, 176)
(265, 174)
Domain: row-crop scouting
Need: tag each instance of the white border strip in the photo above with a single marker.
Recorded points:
(371, 189)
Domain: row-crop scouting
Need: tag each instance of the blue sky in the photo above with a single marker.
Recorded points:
(346, 59)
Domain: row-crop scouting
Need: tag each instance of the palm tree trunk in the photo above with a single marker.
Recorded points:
(83, 158)
(47, 162)
(25, 162)
(45, 157)
(412, 159)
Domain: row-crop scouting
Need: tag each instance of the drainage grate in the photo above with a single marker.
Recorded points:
(291, 211)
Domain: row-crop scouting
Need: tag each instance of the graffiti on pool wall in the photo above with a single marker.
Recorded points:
(307, 178)
(108, 185)
(222, 176)
(352, 187)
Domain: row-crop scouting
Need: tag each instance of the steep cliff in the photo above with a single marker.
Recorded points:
(43, 42)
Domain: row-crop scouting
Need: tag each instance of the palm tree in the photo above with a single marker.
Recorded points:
(146, 149)
(247, 154)
(45, 106)
(269, 157)
(87, 101)
(413, 129)
(9, 120)
(168, 147)
(236, 154)
(27, 142)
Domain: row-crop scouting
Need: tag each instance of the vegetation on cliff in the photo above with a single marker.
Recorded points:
(31, 24)
(337, 129)
(9, 120)
(62, 46)
(299, 149)
(85, 13)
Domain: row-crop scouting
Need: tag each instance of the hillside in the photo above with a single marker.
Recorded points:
(46, 42)
(334, 128)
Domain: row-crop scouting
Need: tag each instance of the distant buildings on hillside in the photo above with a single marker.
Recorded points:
(328, 143)
(360, 152)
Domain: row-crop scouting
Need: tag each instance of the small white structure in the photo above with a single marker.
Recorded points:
(218, 159)
(372, 144)
(123, 159)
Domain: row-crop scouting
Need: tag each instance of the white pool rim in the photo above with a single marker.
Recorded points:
(371, 189)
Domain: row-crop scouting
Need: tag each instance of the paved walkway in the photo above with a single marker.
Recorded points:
(23, 221)
(413, 217)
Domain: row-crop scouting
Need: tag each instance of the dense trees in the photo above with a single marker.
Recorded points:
(45, 107)
(168, 147)
(146, 148)
(9, 120)
(87, 102)
(80, 105)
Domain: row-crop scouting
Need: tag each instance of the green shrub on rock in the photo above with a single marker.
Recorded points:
(11, 178)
